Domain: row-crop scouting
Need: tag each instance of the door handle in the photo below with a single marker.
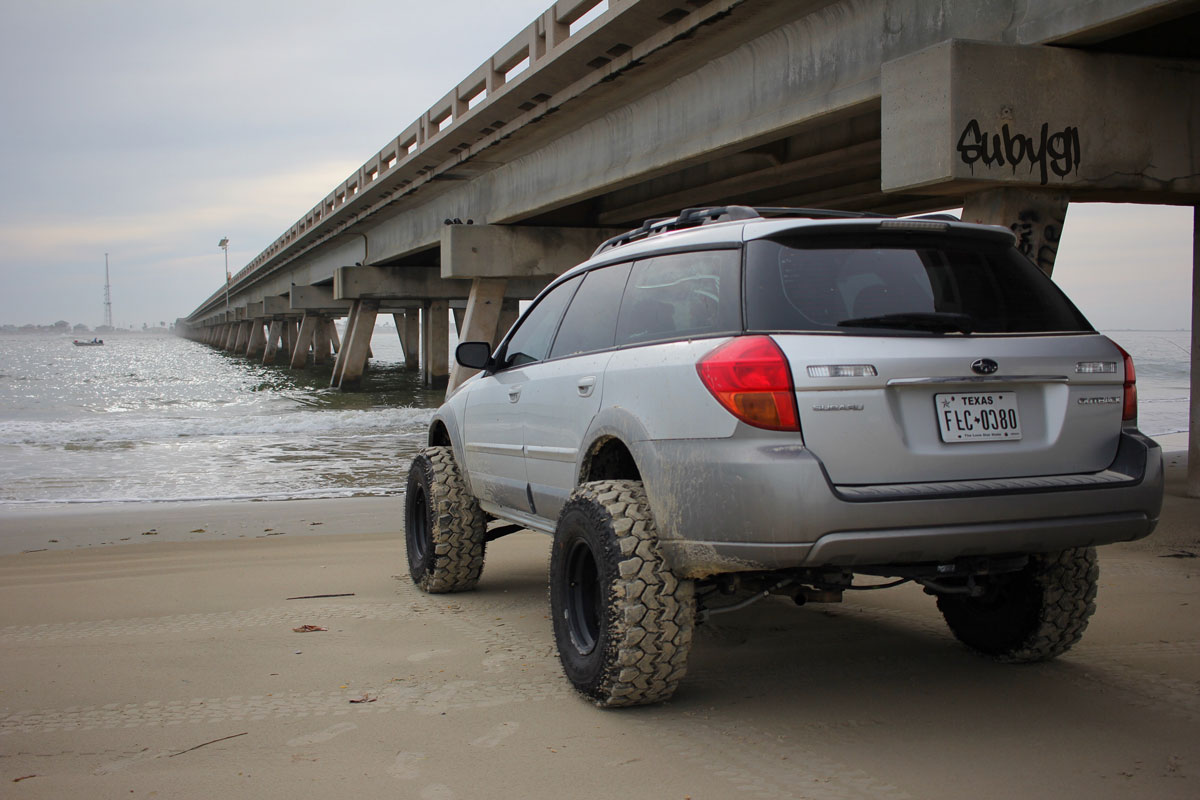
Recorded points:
(586, 385)
(514, 393)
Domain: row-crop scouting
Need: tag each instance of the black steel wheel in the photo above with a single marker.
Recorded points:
(622, 621)
(1034, 614)
(444, 527)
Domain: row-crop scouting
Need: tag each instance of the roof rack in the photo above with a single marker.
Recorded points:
(693, 217)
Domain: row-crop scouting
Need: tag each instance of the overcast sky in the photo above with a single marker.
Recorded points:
(149, 129)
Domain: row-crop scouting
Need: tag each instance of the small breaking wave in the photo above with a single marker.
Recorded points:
(108, 429)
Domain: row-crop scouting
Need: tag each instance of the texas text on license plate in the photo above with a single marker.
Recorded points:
(978, 416)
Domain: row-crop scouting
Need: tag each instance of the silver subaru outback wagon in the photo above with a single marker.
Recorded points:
(739, 402)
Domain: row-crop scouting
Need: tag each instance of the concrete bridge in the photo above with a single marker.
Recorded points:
(585, 124)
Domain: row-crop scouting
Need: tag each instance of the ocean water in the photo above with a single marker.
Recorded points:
(152, 418)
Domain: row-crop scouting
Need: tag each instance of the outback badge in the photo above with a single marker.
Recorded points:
(984, 366)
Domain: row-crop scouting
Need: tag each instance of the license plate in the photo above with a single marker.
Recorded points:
(978, 416)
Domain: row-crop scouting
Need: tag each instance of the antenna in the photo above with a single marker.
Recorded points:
(107, 295)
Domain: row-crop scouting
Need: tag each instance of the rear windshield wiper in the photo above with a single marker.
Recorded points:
(932, 321)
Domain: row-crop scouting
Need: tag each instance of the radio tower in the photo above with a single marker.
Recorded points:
(107, 296)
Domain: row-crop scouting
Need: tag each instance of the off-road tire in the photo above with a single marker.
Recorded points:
(1035, 614)
(444, 527)
(622, 621)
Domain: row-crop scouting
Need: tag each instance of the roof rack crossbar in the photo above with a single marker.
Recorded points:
(705, 215)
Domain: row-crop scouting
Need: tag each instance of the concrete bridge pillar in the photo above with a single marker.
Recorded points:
(1193, 484)
(323, 338)
(484, 307)
(334, 341)
(352, 360)
(288, 337)
(508, 317)
(408, 328)
(271, 350)
(435, 342)
(1036, 217)
(243, 335)
(257, 343)
(305, 340)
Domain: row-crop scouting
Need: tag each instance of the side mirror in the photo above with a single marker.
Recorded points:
(475, 355)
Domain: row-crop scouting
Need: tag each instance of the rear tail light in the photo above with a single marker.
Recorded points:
(751, 378)
(1129, 400)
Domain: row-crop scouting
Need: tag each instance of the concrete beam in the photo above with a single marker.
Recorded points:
(510, 251)
(276, 305)
(966, 115)
(377, 283)
(317, 298)
(401, 286)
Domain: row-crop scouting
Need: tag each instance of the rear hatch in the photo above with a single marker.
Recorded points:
(933, 356)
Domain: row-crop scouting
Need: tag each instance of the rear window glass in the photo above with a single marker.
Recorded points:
(681, 295)
(918, 283)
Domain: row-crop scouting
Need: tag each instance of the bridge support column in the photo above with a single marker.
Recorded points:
(258, 339)
(323, 340)
(274, 331)
(484, 307)
(1193, 483)
(243, 335)
(288, 336)
(352, 360)
(435, 342)
(1036, 217)
(304, 340)
(334, 341)
(508, 316)
(408, 328)
(231, 336)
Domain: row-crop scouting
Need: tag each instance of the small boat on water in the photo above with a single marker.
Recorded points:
(92, 343)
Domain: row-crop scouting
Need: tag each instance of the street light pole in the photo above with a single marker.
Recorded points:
(224, 245)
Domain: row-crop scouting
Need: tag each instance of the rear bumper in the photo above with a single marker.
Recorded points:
(736, 504)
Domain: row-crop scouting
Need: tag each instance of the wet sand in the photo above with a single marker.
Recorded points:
(167, 665)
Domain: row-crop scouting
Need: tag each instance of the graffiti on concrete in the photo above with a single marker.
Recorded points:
(1038, 237)
(1052, 152)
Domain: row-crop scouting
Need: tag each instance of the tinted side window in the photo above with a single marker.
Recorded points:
(531, 340)
(681, 295)
(592, 318)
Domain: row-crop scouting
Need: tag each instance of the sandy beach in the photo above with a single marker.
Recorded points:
(151, 651)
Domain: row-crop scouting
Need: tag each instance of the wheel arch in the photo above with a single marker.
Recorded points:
(609, 454)
(444, 432)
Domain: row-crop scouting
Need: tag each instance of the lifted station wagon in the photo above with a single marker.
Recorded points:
(737, 402)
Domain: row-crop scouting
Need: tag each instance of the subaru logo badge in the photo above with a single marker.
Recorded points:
(984, 366)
